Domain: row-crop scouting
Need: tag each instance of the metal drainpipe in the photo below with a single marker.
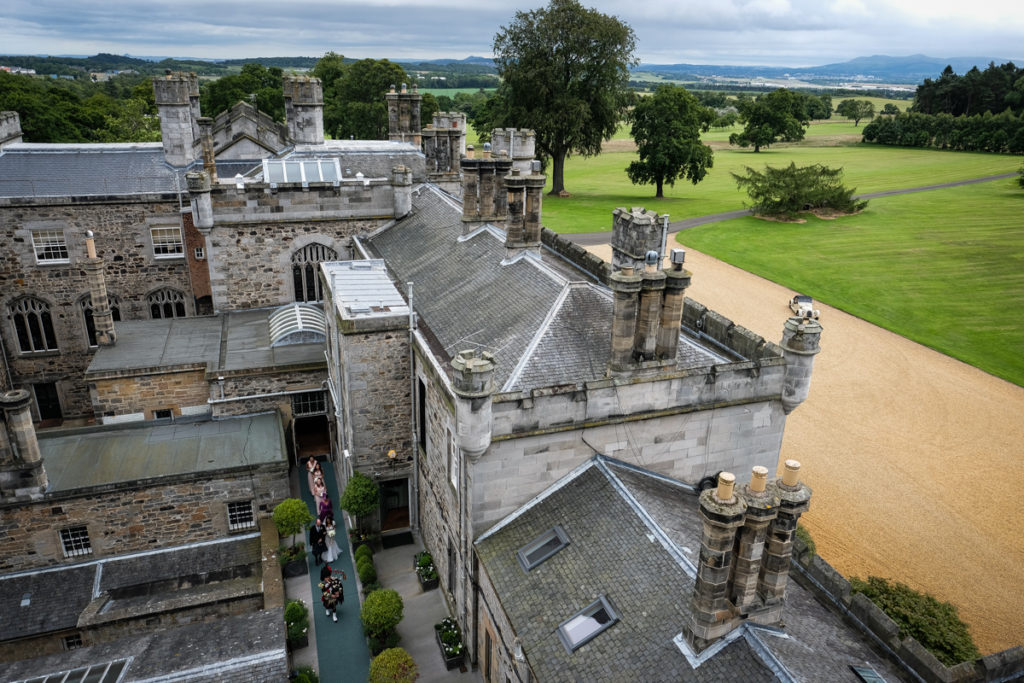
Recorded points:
(664, 236)
(415, 507)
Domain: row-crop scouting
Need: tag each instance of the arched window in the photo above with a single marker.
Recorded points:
(33, 324)
(305, 263)
(166, 303)
(90, 324)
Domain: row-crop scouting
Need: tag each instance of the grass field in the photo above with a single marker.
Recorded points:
(599, 184)
(944, 268)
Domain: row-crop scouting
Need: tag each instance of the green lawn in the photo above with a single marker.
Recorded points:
(599, 184)
(944, 268)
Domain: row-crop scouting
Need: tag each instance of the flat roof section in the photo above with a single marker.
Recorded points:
(112, 456)
(363, 289)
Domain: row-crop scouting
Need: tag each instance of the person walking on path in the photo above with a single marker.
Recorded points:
(311, 464)
(332, 591)
(318, 540)
(333, 549)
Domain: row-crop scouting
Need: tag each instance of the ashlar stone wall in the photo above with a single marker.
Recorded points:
(183, 391)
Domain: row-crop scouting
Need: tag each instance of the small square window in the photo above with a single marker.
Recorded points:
(75, 541)
(542, 547)
(167, 243)
(200, 253)
(73, 642)
(309, 403)
(50, 246)
(240, 515)
(587, 624)
(164, 414)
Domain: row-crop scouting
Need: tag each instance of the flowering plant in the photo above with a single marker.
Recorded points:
(451, 637)
(331, 532)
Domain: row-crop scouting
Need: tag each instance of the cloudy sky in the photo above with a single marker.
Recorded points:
(768, 32)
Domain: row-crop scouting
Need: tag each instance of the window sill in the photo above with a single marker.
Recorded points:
(169, 257)
(55, 262)
(39, 354)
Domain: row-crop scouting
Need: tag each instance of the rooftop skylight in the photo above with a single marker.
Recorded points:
(301, 171)
(587, 624)
(542, 547)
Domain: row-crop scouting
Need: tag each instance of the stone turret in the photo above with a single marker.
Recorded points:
(404, 115)
(801, 339)
(635, 233)
(102, 316)
(304, 109)
(177, 101)
(10, 128)
(473, 383)
(22, 475)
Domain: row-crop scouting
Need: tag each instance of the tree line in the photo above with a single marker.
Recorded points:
(986, 132)
(996, 89)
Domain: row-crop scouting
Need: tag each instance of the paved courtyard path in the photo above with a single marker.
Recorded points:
(915, 458)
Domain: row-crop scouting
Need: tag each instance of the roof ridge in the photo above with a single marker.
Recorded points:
(538, 336)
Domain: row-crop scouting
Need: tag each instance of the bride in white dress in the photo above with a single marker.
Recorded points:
(333, 551)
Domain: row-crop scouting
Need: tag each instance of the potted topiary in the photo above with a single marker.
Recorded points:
(290, 517)
(426, 572)
(360, 498)
(449, 640)
(393, 665)
(380, 614)
(296, 621)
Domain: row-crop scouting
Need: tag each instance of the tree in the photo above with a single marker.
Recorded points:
(856, 110)
(254, 79)
(291, 516)
(781, 115)
(787, 191)
(361, 495)
(393, 665)
(428, 107)
(356, 104)
(667, 127)
(382, 610)
(565, 74)
(890, 109)
(819, 107)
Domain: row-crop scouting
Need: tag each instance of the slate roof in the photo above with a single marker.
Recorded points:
(57, 595)
(545, 322)
(634, 536)
(76, 170)
(232, 648)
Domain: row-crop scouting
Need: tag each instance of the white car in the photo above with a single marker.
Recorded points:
(803, 306)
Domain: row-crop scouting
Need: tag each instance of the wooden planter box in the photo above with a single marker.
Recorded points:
(294, 568)
(428, 584)
(450, 663)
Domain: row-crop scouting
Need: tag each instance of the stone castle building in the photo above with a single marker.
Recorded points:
(545, 420)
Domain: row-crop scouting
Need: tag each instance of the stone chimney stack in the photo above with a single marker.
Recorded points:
(625, 286)
(22, 475)
(304, 109)
(177, 101)
(515, 186)
(206, 144)
(534, 203)
(712, 612)
(404, 115)
(401, 180)
(762, 509)
(199, 195)
(444, 142)
(649, 320)
(473, 383)
(794, 498)
(677, 279)
(801, 339)
(10, 128)
(102, 316)
(635, 233)
(484, 199)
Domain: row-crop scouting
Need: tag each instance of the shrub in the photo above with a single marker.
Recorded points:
(290, 517)
(788, 191)
(367, 572)
(363, 551)
(306, 674)
(1020, 176)
(296, 619)
(381, 612)
(451, 637)
(393, 665)
(934, 624)
(361, 496)
(804, 535)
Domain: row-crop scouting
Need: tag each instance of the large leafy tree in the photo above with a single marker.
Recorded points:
(357, 99)
(254, 79)
(781, 115)
(565, 74)
(667, 127)
(856, 110)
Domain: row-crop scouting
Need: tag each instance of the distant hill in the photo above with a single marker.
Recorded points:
(911, 69)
